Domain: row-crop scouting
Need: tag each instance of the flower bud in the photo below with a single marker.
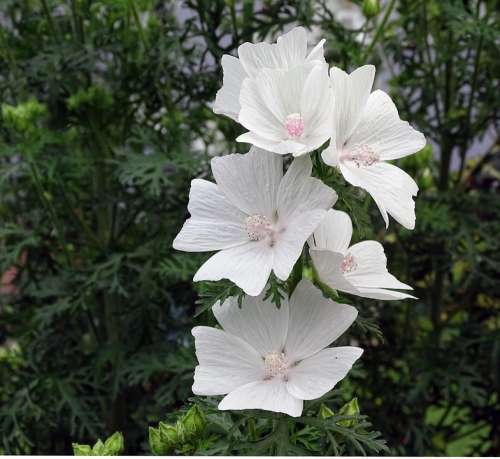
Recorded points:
(325, 412)
(371, 8)
(193, 421)
(349, 409)
(114, 446)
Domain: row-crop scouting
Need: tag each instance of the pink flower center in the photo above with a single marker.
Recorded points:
(361, 155)
(348, 264)
(294, 125)
(258, 227)
(275, 364)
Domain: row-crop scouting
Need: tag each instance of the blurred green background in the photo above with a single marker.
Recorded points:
(106, 117)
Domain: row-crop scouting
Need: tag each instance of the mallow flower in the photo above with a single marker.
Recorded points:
(272, 359)
(367, 132)
(287, 111)
(289, 52)
(360, 269)
(256, 217)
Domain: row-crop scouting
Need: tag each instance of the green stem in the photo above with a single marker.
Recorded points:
(50, 208)
(137, 21)
(380, 29)
(282, 439)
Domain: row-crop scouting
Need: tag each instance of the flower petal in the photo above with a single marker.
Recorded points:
(390, 187)
(250, 181)
(315, 321)
(299, 192)
(317, 53)
(371, 267)
(263, 395)
(248, 266)
(227, 100)
(258, 322)
(381, 129)
(334, 233)
(280, 147)
(226, 362)
(289, 51)
(289, 244)
(317, 107)
(318, 374)
(328, 266)
(214, 224)
(351, 94)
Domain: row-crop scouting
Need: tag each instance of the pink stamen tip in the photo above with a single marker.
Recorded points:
(294, 125)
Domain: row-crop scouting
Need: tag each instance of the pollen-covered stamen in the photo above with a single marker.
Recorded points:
(294, 125)
(275, 364)
(361, 155)
(348, 264)
(258, 227)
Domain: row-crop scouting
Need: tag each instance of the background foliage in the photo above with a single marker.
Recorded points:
(106, 117)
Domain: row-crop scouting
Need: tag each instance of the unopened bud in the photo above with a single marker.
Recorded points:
(193, 421)
(349, 409)
(325, 412)
(371, 8)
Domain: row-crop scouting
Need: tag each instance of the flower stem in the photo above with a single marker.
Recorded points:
(379, 30)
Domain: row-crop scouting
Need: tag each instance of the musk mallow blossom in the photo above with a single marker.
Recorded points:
(274, 359)
(287, 111)
(359, 269)
(367, 132)
(289, 52)
(256, 217)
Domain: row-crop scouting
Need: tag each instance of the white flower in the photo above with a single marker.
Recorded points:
(257, 218)
(368, 132)
(289, 52)
(360, 269)
(287, 111)
(273, 359)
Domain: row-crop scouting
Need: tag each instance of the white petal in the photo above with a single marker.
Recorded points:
(328, 266)
(290, 242)
(315, 321)
(381, 129)
(334, 233)
(299, 192)
(263, 107)
(390, 187)
(281, 147)
(316, 375)
(292, 46)
(248, 266)
(330, 155)
(317, 107)
(226, 362)
(250, 181)
(214, 224)
(371, 270)
(317, 53)
(382, 294)
(227, 100)
(258, 322)
(263, 395)
(288, 52)
(351, 94)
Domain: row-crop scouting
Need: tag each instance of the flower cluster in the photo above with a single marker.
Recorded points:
(258, 218)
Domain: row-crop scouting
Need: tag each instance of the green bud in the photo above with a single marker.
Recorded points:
(23, 117)
(169, 434)
(349, 409)
(155, 443)
(371, 8)
(114, 445)
(47, 196)
(92, 97)
(81, 450)
(325, 412)
(98, 449)
(193, 421)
